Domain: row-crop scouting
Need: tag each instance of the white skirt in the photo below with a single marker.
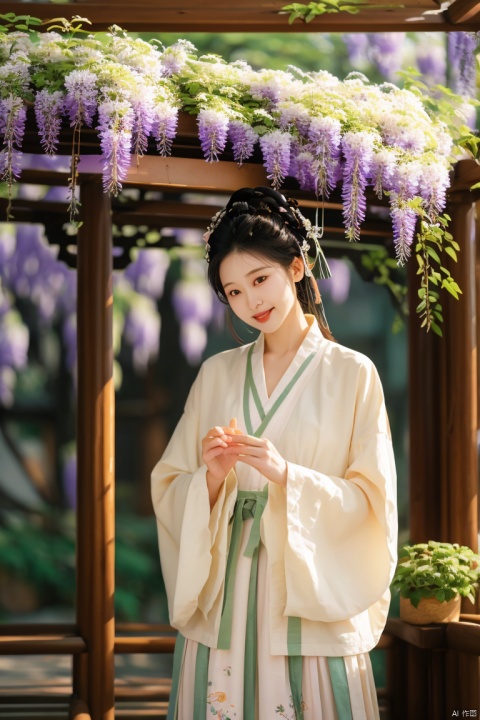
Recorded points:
(273, 697)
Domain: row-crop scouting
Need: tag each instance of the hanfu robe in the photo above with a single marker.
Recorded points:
(279, 593)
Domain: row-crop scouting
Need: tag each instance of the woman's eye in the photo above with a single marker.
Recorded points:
(233, 293)
(260, 279)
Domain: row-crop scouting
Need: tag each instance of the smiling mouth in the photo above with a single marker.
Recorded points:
(263, 317)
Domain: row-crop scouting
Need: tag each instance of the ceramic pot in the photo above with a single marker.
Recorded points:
(430, 610)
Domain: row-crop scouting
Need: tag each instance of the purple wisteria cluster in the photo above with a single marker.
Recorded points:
(310, 126)
(14, 341)
(462, 62)
(13, 115)
(194, 307)
(29, 269)
(384, 50)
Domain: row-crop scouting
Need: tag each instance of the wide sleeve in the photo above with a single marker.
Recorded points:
(192, 540)
(341, 544)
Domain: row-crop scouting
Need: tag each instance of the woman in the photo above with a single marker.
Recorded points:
(277, 537)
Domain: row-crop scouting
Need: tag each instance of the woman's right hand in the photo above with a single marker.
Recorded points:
(218, 464)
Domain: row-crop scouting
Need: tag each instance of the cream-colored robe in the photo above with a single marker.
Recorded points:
(330, 535)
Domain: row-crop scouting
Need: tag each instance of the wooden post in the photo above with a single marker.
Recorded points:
(443, 402)
(459, 393)
(94, 677)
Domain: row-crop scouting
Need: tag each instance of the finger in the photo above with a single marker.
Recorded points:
(236, 449)
(216, 431)
(249, 440)
(233, 423)
(213, 453)
(214, 442)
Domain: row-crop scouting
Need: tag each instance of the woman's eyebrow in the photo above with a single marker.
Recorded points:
(250, 272)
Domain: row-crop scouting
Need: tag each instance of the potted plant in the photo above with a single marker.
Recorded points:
(432, 578)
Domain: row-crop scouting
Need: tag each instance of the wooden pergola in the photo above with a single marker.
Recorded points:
(431, 670)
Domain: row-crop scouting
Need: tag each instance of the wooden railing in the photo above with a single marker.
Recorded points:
(435, 670)
(139, 701)
(431, 671)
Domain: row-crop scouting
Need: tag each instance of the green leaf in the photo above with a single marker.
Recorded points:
(436, 329)
(433, 253)
(448, 287)
(415, 597)
(450, 251)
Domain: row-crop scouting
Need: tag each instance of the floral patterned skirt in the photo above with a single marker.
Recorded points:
(272, 700)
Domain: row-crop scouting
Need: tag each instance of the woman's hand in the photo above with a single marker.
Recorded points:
(218, 464)
(260, 454)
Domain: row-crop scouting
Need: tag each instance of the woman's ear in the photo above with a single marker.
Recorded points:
(298, 269)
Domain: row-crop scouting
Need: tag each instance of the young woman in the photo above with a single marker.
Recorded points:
(275, 498)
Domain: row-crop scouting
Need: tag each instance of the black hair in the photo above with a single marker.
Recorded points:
(262, 221)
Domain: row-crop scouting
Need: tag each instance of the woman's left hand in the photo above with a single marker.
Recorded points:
(260, 454)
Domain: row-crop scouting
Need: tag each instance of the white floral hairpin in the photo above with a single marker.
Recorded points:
(314, 233)
(214, 222)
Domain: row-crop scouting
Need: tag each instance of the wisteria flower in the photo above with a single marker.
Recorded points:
(14, 342)
(115, 131)
(243, 138)
(293, 115)
(147, 273)
(142, 331)
(405, 179)
(434, 182)
(213, 132)
(357, 47)
(462, 61)
(444, 140)
(15, 75)
(276, 155)
(48, 112)
(383, 170)
(13, 116)
(143, 113)
(404, 221)
(81, 98)
(164, 128)
(385, 50)
(175, 57)
(305, 167)
(358, 151)
(400, 132)
(324, 134)
(274, 85)
(432, 63)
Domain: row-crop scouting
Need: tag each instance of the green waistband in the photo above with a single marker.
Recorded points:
(249, 504)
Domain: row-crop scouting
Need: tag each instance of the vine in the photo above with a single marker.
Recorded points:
(309, 11)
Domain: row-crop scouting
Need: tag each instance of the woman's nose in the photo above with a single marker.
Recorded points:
(254, 301)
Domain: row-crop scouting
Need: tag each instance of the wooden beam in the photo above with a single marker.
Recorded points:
(46, 644)
(463, 11)
(231, 17)
(152, 644)
(464, 636)
(95, 452)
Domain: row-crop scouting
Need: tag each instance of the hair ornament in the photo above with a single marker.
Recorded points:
(314, 233)
(214, 222)
(267, 200)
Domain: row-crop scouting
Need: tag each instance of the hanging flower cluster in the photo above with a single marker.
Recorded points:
(29, 269)
(311, 126)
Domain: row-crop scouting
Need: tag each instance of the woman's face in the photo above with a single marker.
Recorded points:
(260, 292)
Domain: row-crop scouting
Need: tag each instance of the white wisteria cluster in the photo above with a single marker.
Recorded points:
(311, 126)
